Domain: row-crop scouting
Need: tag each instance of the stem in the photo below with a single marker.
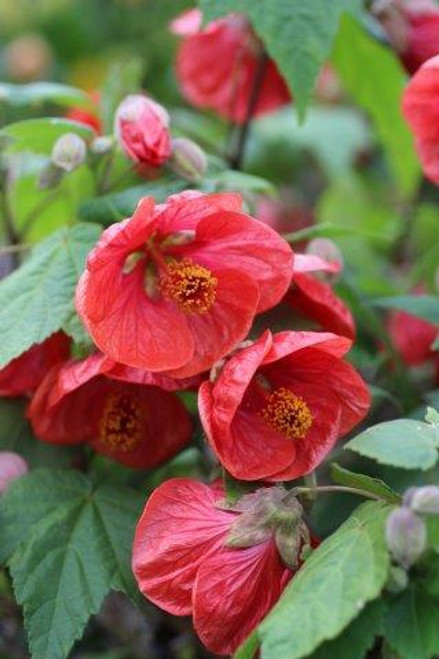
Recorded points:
(336, 488)
(237, 157)
(12, 249)
(8, 220)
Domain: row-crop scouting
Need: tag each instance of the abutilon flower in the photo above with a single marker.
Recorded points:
(139, 425)
(176, 286)
(314, 299)
(224, 566)
(413, 338)
(142, 128)
(24, 373)
(277, 407)
(420, 107)
(217, 66)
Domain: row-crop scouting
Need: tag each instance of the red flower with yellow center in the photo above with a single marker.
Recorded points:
(95, 400)
(176, 286)
(277, 407)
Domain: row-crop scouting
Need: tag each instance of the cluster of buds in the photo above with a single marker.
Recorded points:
(406, 531)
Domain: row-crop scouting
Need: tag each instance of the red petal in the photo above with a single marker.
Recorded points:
(184, 211)
(312, 263)
(234, 590)
(286, 343)
(179, 528)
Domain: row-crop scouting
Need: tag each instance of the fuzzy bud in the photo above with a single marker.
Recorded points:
(69, 152)
(406, 536)
(102, 145)
(188, 159)
(12, 466)
(423, 499)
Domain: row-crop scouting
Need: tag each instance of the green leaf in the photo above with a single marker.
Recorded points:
(372, 74)
(357, 639)
(376, 486)
(423, 306)
(342, 575)
(70, 545)
(298, 35)
(37, 299)
(248, 649)
(16, 435)
(37, 93)
(402, 443)
(117, 206)
(239, 182)
(411, 625)
(39, 135)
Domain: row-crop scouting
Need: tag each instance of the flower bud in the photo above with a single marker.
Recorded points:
(406, 536)
(188, 159)
(50, 177)
(423, 499)
(12, 466)
(101, 145)
(397, 580)
(327, 250)
(69, 152)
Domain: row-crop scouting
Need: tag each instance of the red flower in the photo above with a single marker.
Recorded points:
(137, 425)
(142, 127)
(421, 109)
(413, 338)
(23, 374)
(186, 561)
(217, 65)
(176, 286)
(315, 299)
(278, 407)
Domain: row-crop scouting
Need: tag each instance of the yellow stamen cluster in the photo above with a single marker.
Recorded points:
(120, 427)
(189, 285)
(287, 413)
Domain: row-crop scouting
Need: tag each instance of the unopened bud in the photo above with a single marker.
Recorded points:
(290, 540)
(424, 500)
(50, 176)
(188, 160)
(397, 580)
(102, 145)
(69, 152)
(12, 466)
(406, 536)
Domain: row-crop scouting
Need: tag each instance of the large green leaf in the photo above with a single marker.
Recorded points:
(298, 35)
(37, 93)
(39, 135)
(16, 435)
(402, 443)
(37, 299)
(372, 74)
(411, 625)
(357, 639)
(68, 545)
(342, 575)
(423, 306)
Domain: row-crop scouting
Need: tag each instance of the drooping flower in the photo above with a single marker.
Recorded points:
(176, 286)
(277, 407)
(315, 300)
(421, 110)
(223, 566)
(413, 30)
(142, 128)
(139, 425)
(24, 373)
(217, 66)
(413, 337)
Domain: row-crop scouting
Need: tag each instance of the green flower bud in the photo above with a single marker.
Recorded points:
(188, 160)
(69, 152)
(406, 536)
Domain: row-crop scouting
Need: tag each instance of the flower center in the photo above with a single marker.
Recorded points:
(287, 413)
(189, 285)
(120, 427)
